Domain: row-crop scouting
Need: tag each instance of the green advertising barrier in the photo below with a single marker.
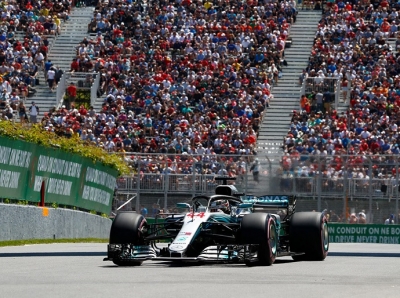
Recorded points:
(364, 233)
(69, 179)
(15, 158)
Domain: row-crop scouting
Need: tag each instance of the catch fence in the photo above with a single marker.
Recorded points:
(339, 184)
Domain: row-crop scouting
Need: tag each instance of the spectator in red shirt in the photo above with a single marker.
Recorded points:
(74, 65)
(71, 95)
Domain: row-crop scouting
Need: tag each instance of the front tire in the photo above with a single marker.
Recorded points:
(309, 236)
(260, 229)
(126, 231)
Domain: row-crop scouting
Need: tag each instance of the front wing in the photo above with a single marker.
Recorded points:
(213, 254)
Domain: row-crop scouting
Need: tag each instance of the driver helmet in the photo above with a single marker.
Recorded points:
(220, 206)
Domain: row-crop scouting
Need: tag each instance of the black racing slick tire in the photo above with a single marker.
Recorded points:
(309, 237)
(127, 229)
(260, 229)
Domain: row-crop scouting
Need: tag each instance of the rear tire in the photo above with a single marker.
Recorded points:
(260, 228)
(126, 229)
(309, 236)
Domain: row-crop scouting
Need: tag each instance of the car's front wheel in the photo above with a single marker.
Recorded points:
(126, 231)
(260, 229)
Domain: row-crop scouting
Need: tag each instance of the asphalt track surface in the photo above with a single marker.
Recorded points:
(77, 270)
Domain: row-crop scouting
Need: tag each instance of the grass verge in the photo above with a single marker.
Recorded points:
(49, 241)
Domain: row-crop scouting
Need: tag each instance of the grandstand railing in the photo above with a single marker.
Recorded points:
(343, 181)
(94, 88)
(314, 85)
(61, 89)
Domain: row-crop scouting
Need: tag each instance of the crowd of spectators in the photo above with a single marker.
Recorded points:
(179, 77)
(22, 58)
(351, 44)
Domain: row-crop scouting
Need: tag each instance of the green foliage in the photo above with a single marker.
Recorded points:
(71, 145)
(104, 215)
(93, 212)
(82, 98)
(54, 205)
(6, 201)
(24, 202)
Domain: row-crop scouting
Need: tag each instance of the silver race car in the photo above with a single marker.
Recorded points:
(225, 227)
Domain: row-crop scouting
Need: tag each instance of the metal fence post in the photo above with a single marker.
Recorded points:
(397, 191)
(246, 180)
(193, 180)
(319, 184)
(370, 219)
(345, 188)
(137, 208)
(270, 174)
(166, 188)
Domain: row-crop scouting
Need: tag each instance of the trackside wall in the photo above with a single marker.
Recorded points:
(29, 222)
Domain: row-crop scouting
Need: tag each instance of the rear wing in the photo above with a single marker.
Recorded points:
(271, 203)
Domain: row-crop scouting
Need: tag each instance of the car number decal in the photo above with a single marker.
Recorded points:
(198, 214)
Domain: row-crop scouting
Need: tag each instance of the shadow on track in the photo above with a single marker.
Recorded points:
(104, 254)
(364, 254)
(53, 254)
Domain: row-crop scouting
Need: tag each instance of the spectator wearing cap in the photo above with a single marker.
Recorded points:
(362, 218)
(353, 219)
(47, 65)
(390, 220)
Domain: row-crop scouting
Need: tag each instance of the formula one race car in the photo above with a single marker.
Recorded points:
(225, 227)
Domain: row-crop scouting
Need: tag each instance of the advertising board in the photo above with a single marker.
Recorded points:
(69, 179)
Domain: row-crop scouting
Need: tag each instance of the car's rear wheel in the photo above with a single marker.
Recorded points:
(126, 231)
(260, 229)
(309, 236)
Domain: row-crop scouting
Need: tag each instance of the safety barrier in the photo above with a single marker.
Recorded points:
(29, 222)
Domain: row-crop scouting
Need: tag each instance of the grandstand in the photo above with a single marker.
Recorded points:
(212, 78)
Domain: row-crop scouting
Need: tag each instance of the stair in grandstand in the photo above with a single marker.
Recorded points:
(276, 120)
(42, 96)
(392, 43)
(98, 104)
(61, 52)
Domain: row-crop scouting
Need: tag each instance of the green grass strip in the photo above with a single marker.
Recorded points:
(49, 241)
